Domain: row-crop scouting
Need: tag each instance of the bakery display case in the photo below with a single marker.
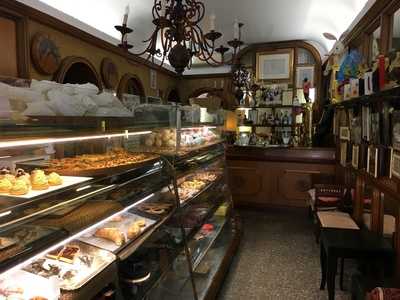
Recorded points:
(105, 207)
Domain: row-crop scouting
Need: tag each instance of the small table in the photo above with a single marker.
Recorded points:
(349, 243)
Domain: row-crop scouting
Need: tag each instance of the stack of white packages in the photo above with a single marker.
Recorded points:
(47, 98)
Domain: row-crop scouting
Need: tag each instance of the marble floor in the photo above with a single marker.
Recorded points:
(278, 259)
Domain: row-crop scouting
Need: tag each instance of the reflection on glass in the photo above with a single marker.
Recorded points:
(300, 95)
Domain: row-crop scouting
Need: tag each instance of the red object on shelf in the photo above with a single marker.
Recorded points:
(208, 227)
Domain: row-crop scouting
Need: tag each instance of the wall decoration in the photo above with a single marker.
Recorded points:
(372, 161)
(153, 79)
(396, 130)
(344, 133)
(355, 156)
(366, 123)
(45, 54)
(304, 72)
(274, 65)
(109, 73)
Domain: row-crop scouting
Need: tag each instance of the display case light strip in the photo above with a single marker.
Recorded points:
(71, 238)
(33, 142)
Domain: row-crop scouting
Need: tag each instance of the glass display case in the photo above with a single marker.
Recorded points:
(111, 207)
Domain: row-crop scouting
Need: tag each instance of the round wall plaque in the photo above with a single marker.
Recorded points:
(45, 54)
(109, 73)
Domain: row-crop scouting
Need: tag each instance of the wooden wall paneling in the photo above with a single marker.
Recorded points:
(377, 212)
(359, 199)
(8, 47)
(386, 29)
(22, 42)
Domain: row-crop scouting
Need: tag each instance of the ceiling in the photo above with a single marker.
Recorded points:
(265, 20)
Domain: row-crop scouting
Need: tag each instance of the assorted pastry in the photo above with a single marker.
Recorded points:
(85, 162)
(195, 184)
(155, 208)
(117, 231)
(165, 138)
(21, 183)
(73, 264)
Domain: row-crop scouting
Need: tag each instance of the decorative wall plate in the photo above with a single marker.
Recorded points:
(45, 54)
(109, 73)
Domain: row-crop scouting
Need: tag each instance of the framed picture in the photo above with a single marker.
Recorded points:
(274, 65)
(287, 97)
(344, 133)
(372, 161)
(355, 130)
(153, 79)
(335, 123)
(343, 154)
(395, 164)
(302, 73)
(366, 123)
(375, 136)
(396, 130)
(355, 156)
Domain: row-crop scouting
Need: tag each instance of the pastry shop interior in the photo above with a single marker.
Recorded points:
(192, 149)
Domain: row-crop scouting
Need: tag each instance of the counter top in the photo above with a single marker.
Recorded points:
(282, 154)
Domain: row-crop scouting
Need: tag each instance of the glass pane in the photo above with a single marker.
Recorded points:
(305, 57)
(396, 31)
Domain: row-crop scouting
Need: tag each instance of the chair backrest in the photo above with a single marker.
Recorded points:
(328, 195)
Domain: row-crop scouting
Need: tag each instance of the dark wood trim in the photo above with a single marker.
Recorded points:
(208, 76)
(45, 19)
(369, 18)
(376, 212)
(297, 155)
(22, 38)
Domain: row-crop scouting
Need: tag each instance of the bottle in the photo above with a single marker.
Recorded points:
(285, 119)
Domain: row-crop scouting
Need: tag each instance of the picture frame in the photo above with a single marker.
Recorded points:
(355, 156)
(304, 72)
(395, 164)
(375, 136)
(275, 65)
(365, 112)
(372, 161)
(153, 79)
(344, 133)
(343, 154)
(396, 130)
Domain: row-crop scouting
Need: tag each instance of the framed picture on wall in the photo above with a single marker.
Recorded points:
(302, 73)
(344, 133)
(153, 79)
(395, 164)
(343, 154)
(372, 161)
(355, 156)
(274, 65)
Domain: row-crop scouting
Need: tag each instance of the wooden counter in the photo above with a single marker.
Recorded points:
(275, 176)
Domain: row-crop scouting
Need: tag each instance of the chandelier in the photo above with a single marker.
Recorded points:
(179, 37)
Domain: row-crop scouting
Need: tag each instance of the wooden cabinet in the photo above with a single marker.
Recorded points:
(268, 181)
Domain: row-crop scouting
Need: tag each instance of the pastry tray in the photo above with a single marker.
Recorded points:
(83, 273)
(128, 219)
(152, 158)
(68, 181)
(25, 285)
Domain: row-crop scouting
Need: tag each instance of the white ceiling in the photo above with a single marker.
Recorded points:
(265, 20)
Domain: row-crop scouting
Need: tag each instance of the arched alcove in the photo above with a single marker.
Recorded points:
(130, 84)
(78, 70)
(173, 96)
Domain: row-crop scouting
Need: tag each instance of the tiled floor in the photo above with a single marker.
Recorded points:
(278, 259)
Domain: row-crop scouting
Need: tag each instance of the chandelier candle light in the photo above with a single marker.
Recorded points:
(180, 36)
